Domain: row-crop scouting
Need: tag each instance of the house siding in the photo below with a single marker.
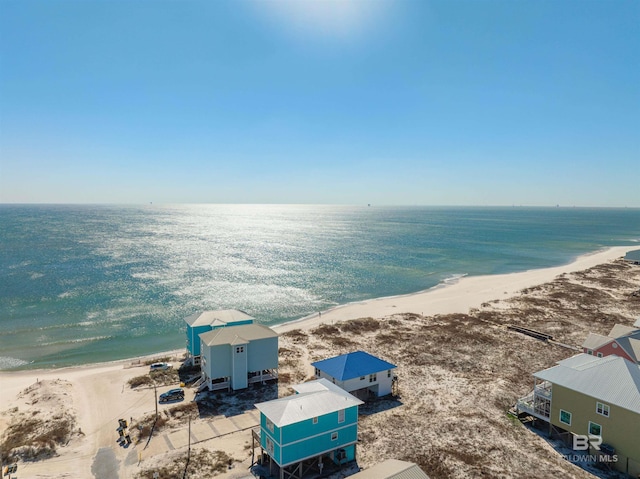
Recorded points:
(298, 441)
(382, 384)
(218, 361)
(263, 354)
(609, 349)
(193, 338)
(328, 422)
(319, 444)
(620, 430)
(222, 361)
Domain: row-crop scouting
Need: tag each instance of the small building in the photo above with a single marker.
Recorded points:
(633, 256)
(204, 321)
(623, 341)
(392, 469)
(235, 356)
(318, 423)
(587, 395)
(358, 373)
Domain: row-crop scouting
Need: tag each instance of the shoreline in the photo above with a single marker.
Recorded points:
(466, 292)
(96, 395)
(442, 299)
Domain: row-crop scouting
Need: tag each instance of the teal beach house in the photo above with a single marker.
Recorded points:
(205, 321)
(306, 430)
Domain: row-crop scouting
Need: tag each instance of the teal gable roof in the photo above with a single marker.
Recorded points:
(352, 365)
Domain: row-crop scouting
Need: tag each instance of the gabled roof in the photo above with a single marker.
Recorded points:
(216, 318)
(594, 341)
(631, 345)
(620, 330)
(392, 469)
(235, 335)
(316, 398)
(611, 379)
(352, 365)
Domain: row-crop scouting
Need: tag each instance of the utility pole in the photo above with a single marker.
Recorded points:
(155, 391)
(186, 466)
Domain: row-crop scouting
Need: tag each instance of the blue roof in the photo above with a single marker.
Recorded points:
(352, 365)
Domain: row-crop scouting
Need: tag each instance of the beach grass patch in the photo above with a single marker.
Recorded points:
(202, 464)
(30, 438)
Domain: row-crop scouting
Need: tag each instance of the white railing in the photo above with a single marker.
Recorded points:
(218, 386)
(543, 389)
(539, 408)
(263, 377)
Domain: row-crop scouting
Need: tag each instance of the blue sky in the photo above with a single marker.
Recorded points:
(386, 102)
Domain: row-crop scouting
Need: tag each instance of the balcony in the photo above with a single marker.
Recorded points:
(535, 405)
(543, 389)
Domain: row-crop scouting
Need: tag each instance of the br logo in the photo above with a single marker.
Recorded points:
(582, 442)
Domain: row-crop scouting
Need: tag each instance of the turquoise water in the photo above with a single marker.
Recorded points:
(84, 284)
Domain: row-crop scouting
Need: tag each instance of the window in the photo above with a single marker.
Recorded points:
(317, 373)
(239, 349)
(595, 429)
(334, 436)
(602, 409)
(269, 423)
(599, 355)
(565, 417)
(373, 378)
(269, 445)
(315, 420)
(361, 378)
(590, 351)
(389, 373)
(341, 415)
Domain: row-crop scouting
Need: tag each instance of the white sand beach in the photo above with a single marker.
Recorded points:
(98, 394)
(466, 293)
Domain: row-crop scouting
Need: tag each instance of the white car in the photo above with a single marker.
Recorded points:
(157, 366)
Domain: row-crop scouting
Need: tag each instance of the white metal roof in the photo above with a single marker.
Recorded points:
(237, 334)
(611, 379)
(594, 341)
(220, 317)
(316, 398)
(620, 330)
(392, 469)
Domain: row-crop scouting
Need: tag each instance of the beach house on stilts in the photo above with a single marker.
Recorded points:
(308, 431)
(595, 398)
(204, 321)
(235, 356)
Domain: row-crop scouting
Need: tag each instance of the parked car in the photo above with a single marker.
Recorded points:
(159, 366)
(172, 395)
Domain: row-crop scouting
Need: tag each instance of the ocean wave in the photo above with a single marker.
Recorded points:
(7, 362)
(453, 279)
(75, 341)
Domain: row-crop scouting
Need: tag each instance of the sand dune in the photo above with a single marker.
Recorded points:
(97, 395)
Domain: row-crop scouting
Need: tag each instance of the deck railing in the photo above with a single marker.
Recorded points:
(534, 405)
(543, 389)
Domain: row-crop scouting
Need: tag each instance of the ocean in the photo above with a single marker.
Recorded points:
(88, 283)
